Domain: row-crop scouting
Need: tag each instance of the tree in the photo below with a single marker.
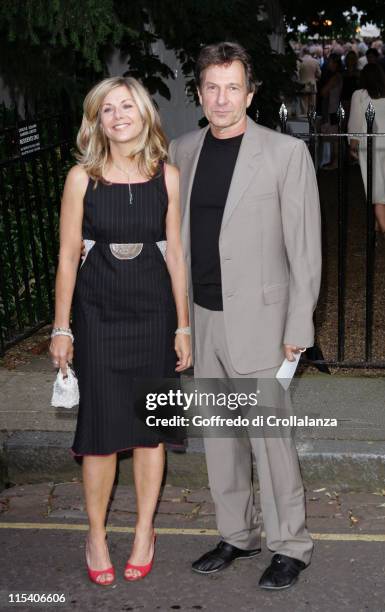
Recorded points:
(47, 46)
(187, 25)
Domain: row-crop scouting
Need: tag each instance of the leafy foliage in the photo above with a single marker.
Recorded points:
(50, 45)
(187, 25)
(47, 46)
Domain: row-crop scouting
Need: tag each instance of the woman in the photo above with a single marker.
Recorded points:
(130, 313)
(372, 81)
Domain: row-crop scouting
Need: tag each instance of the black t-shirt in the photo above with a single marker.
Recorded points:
(208, 198)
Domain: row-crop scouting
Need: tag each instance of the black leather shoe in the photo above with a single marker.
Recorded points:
(282, 573)
(222, 556)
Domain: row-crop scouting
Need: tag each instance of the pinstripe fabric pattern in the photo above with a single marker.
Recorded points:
(124, 315)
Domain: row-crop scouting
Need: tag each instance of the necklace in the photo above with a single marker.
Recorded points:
(131, 199)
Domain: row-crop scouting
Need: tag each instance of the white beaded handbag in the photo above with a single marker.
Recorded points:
(65, 390)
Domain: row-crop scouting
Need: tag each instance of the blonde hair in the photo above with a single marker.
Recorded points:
(92, 143)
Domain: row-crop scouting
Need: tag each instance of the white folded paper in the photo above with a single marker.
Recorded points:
(287, 370)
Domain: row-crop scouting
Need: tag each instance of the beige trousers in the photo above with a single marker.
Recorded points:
(229, 462)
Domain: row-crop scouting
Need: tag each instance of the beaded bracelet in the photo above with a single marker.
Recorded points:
(62, 331)
(183, 330)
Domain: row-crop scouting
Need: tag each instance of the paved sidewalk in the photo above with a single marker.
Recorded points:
(35, 438)
(42, 531)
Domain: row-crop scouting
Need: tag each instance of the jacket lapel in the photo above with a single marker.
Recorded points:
(189, 166)
(247, 165)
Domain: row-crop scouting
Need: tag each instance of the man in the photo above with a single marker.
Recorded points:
(309, 72)
(251, 235)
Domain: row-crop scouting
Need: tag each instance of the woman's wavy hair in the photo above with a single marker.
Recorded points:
(92, 143)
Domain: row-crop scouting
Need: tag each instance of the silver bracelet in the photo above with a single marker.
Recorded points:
(183, 330)
(62, 331)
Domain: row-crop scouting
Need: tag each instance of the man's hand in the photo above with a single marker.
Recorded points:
(353, 147)
(291, 349)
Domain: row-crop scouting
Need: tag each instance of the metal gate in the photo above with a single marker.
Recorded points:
(367, 359)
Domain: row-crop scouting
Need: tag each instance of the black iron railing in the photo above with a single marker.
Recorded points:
(314, 139)
(34, 159)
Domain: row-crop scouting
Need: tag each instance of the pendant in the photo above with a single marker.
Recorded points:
(126, 251)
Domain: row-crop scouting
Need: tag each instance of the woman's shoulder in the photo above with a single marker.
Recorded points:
(171, 178)
(78, 173)
(77, 178)
(359, 95)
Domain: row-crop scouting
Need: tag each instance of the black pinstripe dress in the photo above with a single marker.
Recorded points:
(123, 315)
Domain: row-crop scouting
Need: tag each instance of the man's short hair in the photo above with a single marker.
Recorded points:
(372, 51)
(221, 54)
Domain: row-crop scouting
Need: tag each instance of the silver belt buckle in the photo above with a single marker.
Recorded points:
(126, 250)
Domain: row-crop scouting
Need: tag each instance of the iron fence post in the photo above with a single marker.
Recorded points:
(341, 238)
(283, 118)
(370, 235)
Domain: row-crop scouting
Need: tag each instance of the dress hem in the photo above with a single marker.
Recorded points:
(120, 450)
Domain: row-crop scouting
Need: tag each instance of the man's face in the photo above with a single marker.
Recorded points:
(223, 95)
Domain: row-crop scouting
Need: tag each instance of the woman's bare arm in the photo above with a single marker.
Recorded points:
(71, 218)
(176, 263)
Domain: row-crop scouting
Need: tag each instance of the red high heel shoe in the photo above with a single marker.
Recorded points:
(143, 569)
(94, 574)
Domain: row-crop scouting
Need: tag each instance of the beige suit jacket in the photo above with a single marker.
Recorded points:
(269, 244)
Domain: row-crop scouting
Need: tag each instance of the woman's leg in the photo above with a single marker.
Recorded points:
(148, 474)
(379, 211)
(98, 479)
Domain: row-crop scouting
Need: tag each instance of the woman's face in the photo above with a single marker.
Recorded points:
(120, 117)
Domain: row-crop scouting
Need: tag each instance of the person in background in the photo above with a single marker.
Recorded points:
(372, 90)
(331, 96)
(316, 52)
(377, 44)
(362, 49)
(372, 56)
(327, 49)
(381, 60)
(350, 83)
(309, 73)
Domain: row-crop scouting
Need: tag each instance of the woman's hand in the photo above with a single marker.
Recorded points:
(61, 349)
(183, 350)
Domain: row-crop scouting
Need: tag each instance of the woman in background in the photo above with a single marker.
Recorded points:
(372, 83)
